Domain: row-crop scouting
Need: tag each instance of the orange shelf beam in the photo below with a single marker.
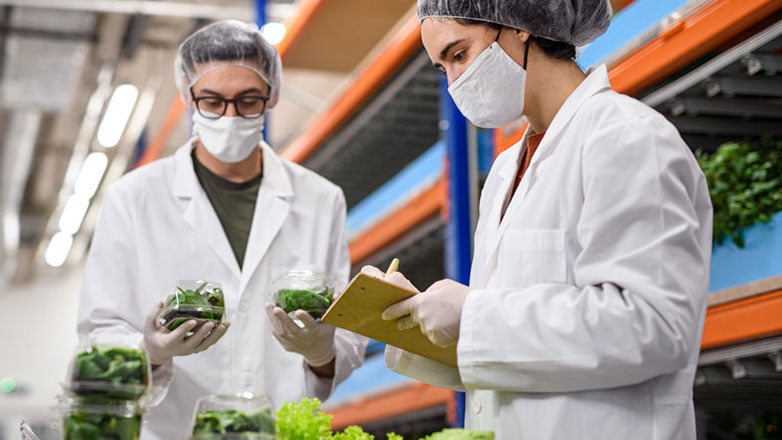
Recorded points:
(304, 13)
(424, 205)
(413, 397)
(398, 50)
(751, 318)
(156, 146)
(684, 42)
(693, 36)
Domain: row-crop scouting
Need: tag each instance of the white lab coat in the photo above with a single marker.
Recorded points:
(157, 225)
(589, 296)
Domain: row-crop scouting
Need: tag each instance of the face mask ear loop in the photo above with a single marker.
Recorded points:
(526, 51)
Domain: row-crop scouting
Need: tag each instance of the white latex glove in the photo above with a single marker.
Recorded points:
(314, 341)
(163, 344)
(438, 310)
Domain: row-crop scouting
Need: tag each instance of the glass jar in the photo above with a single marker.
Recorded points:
(198, 300)
(101, 419)
(109, 369)
(226, 417)
(310, 291)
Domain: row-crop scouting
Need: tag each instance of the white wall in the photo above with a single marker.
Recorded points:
(37, 340)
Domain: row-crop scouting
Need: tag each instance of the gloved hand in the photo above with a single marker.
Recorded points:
(314, 341)
(162, 344)
(438, 310)
(396, 278)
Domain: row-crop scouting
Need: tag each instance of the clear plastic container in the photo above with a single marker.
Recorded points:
(110, 370)
(101, 419)
(310, 291)
(200, 300)
(233, 417)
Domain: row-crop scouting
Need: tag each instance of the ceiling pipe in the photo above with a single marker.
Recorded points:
(161, 8)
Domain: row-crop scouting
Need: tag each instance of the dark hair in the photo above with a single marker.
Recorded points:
(554, 49)
(551, 48)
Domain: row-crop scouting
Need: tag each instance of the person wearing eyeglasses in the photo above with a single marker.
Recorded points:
(223, 208)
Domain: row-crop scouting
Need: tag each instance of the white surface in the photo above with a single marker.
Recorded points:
(39, 336)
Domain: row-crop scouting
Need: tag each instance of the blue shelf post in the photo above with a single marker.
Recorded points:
(260, 20)
(458, 231)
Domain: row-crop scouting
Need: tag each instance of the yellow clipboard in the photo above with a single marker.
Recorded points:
(359, 307)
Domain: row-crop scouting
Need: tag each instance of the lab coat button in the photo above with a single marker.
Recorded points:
(477, 407)
(243, 307)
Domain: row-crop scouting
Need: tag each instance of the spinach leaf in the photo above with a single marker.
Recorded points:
(314, 301)
(234, 421)
(119, 373)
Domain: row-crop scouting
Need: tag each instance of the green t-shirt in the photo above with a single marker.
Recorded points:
(234, 204)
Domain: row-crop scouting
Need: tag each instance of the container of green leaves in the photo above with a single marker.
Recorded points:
(101, 419)
(310, 291)
(109, 371)
(198, 300)
(228, 417)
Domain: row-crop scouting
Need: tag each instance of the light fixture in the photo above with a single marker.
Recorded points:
(90, 174)
(73, 214)
(273, 32)
(58, 249)
(117, 114)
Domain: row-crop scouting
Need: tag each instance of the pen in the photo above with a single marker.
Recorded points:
(393, 266)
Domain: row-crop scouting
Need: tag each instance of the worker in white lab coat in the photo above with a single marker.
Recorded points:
(587, 296)
(223, 208)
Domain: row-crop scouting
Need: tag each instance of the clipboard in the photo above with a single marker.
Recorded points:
(359, 307)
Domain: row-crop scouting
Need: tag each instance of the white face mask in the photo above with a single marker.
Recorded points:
(490, 93)
(229, 139)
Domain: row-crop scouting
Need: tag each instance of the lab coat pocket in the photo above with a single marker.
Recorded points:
(531, 256)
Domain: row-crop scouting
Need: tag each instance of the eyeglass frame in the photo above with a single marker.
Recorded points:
(226, 101)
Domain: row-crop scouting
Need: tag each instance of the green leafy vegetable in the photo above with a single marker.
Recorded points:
(461, 434)
(200, 304)
(745, 183)
(231, 421)
(313, 301)
(303, 421)
(88, 425)
(119, 373)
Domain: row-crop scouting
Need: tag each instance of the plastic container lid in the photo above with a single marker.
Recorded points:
(233, 417)
(310, 291)
(200, 300)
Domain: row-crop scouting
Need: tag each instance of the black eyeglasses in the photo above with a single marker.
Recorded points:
(214, 107)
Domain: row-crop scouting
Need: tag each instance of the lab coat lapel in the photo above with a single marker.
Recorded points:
(198, 211)
(494, 225)
(595, 83)
(271, 210)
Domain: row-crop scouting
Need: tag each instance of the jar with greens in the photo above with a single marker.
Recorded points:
(109, 370)
(227, 417)
(101, 419)
(310, 291)
(198, 300)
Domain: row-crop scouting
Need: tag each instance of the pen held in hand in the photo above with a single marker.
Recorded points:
(393, 266)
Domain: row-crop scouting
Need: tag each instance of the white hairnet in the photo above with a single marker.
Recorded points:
(576, 22)
(227, 43)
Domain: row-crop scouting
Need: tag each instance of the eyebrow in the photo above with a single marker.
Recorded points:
(243, 92)
(445, 50)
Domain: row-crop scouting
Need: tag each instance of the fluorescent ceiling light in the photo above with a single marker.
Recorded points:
(58, 249)
(117, 114)
(273, 32)
(90, 175)
(73, 213)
